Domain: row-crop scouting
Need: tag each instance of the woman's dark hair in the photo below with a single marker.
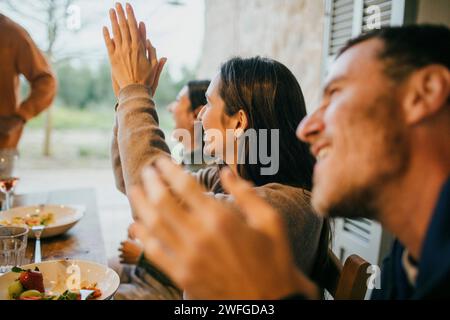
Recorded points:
(271, 97)
(196, 92)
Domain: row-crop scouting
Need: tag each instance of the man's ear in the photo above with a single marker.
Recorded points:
(427, 93)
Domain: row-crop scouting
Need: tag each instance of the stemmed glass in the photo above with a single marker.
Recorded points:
(8, 182)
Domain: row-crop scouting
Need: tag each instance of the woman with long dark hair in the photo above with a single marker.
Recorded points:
(248, 96)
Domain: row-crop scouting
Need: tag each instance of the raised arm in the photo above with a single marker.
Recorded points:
(135, 72)
(139, 139)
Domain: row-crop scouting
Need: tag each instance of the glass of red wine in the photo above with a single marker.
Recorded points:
(8, 181)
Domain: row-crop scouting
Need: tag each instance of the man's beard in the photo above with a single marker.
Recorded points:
(359, 203)
(365, 200)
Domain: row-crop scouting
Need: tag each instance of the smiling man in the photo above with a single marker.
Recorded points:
(382, 140)
(381, 136)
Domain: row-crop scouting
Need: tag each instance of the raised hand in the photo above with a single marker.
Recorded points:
(133, 58)
(208, 249)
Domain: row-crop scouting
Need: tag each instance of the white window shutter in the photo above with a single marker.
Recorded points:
(338, 29)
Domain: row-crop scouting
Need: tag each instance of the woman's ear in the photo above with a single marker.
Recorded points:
(242, 120)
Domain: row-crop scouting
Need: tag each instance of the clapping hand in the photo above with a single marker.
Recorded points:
(133, 58)
(205, 247)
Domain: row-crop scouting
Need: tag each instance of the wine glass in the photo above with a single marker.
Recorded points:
(8, 181)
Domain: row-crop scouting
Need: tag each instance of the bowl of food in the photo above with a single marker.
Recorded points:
(57, 219)
(59, 280)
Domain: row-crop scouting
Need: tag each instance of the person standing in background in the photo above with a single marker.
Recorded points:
(20, 55)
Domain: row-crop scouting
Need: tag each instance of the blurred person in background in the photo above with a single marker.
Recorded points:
(19, 55)
(185, 109)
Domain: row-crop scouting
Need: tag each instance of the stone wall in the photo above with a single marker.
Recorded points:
(434, 11)
(290, 31)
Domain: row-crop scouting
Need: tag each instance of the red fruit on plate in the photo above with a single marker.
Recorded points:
(32, 280)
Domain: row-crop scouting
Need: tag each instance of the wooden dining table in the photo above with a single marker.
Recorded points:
(84, 241)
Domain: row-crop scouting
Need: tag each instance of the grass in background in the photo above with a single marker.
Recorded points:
(68, 118)
(64, 118)
(80, 138)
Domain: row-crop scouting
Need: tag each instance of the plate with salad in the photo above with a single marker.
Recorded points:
(59, 280)
(57, 219)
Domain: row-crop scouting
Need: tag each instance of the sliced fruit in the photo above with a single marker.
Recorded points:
(15, 289)
(31, 294)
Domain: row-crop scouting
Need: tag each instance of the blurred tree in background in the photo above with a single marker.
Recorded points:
(83, 87)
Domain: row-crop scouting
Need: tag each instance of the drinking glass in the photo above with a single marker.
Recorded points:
(8, 181)
(13, 243)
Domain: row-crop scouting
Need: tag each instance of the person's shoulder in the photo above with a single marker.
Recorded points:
(285, 192)
(291, 200)
(10, 29)
(10, 25)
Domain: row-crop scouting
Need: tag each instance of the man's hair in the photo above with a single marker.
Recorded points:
(409, 48)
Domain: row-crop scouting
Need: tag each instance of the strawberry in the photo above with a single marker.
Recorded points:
(32, 280)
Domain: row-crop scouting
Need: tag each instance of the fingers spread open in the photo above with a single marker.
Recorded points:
(258, 213)
(124, 30)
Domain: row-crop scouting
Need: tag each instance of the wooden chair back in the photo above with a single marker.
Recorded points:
(347, 282)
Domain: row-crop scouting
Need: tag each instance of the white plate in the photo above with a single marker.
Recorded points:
(55, 274)
(65, 217)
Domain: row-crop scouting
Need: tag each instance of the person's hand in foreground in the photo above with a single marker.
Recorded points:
(208, 250)
(133, 58)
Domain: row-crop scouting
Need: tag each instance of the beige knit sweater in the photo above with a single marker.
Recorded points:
(138, 141)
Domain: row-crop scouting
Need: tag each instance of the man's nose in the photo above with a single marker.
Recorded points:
(310, 126)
